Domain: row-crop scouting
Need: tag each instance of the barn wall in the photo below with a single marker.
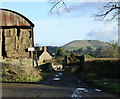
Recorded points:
(17, 42)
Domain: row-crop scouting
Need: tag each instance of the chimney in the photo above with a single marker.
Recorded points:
(40, 48)
(45, 49)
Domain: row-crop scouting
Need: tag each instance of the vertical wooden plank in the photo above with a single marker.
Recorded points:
(0, 18)
(0, 43)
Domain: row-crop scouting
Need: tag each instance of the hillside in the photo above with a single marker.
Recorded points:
(84, 43)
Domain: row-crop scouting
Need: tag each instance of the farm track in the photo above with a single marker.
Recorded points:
(68, 85)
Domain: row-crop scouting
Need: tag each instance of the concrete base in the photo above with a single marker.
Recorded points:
(24, 62)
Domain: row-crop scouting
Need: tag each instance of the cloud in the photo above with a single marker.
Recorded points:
(108, 33)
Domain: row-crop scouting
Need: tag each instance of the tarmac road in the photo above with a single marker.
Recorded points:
(59, 84)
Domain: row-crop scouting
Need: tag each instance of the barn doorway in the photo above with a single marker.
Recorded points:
(3, 45)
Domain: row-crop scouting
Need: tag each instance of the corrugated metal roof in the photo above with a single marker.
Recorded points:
(12, 18)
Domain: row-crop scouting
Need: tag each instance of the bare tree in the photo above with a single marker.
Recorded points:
(58, 5)
(110, 11)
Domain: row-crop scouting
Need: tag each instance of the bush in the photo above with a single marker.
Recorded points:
(88, 56)
(103, 68)
(103, 73)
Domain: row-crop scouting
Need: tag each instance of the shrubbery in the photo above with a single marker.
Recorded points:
(14, 73)
(103, 68)
(103, 73)
(88, 56)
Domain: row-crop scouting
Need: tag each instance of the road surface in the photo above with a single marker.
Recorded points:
(59, 84)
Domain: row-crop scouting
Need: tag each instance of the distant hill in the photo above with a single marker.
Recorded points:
(76, 44)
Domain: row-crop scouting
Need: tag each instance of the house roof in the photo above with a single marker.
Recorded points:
(44, 55)
(40, 53)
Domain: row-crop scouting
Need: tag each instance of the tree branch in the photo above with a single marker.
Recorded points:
(58, 3)
(109, 8)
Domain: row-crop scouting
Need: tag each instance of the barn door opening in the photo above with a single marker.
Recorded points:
(3, 45)
(0, 42)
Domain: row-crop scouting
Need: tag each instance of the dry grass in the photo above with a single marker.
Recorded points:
(93, 59)
(15, 73)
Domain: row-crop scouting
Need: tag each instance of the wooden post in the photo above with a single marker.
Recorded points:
(32, 50)
(0, 43)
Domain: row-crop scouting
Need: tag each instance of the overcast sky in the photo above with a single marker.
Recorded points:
(54, 30)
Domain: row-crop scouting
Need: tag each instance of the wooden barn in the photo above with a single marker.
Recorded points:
(16, 35)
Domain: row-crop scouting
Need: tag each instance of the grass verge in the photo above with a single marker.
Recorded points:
(108, 84)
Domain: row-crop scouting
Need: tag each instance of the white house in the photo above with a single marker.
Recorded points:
(44, 55)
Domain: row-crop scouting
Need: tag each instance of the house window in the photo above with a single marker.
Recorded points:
(43, 61)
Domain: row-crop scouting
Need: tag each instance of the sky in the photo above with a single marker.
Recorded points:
(57, 30)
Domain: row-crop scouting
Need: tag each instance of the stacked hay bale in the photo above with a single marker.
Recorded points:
(16, 45)
(16, 36)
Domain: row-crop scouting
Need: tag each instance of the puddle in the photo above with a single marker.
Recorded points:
(60, 74)
(83, 92)
(81, 89)
(86, 91)
(79, 81)
(56, 75)
(74, 95)
(56, 79)
(98, 90)
(76, 91)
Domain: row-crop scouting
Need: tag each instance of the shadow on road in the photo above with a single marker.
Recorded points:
(58, 84)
